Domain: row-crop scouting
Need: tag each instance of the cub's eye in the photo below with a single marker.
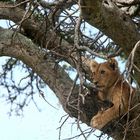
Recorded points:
(102, 71)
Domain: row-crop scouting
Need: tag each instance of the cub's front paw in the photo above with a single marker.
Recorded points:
(97, 122)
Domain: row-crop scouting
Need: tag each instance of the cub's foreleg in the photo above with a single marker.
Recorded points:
(104, 117)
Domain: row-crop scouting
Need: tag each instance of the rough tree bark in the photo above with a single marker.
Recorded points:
(102, 14)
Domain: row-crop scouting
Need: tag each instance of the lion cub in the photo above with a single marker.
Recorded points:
(112, 87)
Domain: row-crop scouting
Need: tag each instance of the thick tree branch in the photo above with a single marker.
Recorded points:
(40, 33)
(32, 29)
(22, 48)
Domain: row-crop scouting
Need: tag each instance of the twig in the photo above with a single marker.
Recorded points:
(130, 61)
(78, 65)
(72, 88)
(60, 127)
(69, 95)
(128, 114)
(88, 132)
(64, 20)
(43, 96)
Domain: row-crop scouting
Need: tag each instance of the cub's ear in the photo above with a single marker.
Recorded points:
(113, 63)
(89, 62)
(93, 65)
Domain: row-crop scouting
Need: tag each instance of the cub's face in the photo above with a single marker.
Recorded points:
(105, 74)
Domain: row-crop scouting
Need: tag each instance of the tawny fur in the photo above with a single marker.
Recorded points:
(112, 86)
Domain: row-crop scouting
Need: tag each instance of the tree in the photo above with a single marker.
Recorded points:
(51, 37)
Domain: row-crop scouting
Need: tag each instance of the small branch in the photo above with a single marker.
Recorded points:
(130, 61)
(43, 96)
(60, 127)
(79, 68)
